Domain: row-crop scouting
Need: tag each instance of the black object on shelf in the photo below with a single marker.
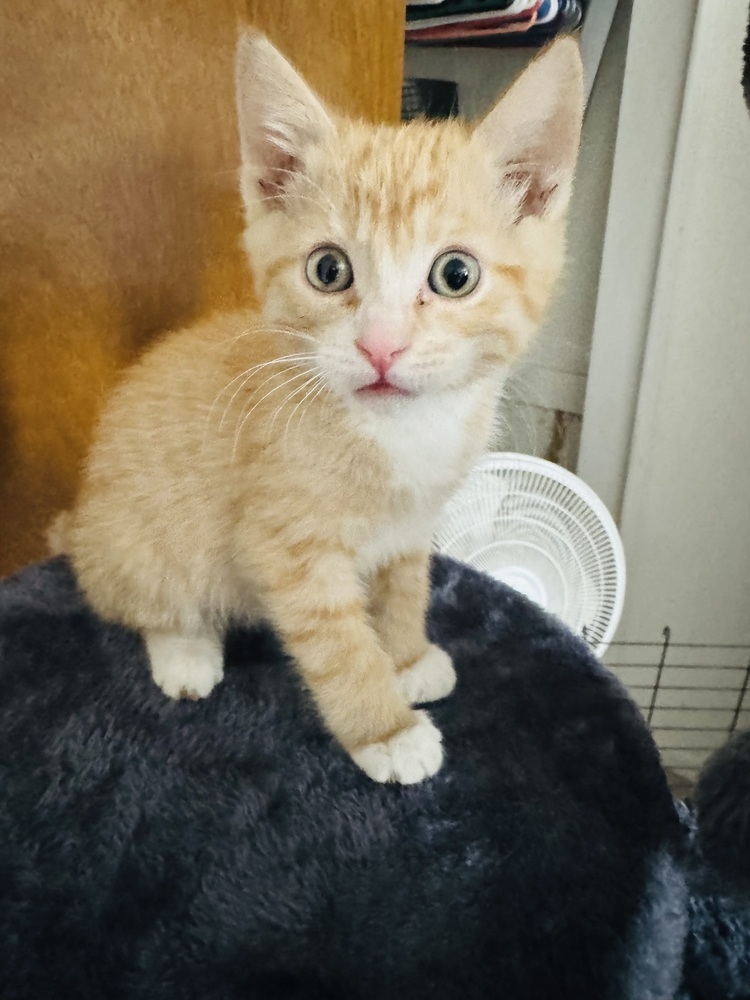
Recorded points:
(428, 98)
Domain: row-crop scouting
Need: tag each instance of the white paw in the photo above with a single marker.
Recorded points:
(183, 666)
(432, 677)
(408, 757)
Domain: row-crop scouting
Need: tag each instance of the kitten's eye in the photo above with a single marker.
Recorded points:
(329, 270)
(454, 274)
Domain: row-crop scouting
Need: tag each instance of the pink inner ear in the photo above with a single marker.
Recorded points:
(277, 174)
(536, 193)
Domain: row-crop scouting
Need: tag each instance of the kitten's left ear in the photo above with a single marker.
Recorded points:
(279, 119)
(534, 132)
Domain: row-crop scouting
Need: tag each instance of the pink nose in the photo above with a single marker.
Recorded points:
(380, 352)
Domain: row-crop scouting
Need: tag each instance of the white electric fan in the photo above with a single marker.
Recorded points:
(543, 531)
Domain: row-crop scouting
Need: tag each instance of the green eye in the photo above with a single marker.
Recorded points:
(329, 270)
(454, 274)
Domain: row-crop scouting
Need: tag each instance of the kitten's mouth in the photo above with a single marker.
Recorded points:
(382, 388)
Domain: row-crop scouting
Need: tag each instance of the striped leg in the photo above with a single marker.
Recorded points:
(318, 605)
(398, 606)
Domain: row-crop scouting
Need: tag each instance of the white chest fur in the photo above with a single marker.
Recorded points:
(426, 440)
(429, 447)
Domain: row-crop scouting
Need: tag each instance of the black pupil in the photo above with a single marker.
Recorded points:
(456, 274)
(329, 269)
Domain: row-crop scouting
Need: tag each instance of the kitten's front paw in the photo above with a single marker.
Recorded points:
(409, 756)
(432, 677)
(185, 667)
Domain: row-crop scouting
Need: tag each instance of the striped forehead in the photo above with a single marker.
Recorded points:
(399, 180)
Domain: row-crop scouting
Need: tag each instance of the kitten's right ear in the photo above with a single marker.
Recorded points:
(279, 119)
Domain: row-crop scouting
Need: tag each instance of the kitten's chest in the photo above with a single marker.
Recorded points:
(423, 462)
(429, 447)
(426, 455)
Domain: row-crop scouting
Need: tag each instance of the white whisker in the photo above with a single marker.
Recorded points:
(322, 388)
(246, 417)
(284, 330)
(256, 389)
(314, 185)
(317, 381)
(301, 197)
(289, 362)
(301, 388)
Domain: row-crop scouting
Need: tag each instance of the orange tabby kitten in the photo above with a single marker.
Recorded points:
(290, 465)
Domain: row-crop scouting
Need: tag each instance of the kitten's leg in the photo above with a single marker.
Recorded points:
(318, 605)
(398, 605)
(185, 666)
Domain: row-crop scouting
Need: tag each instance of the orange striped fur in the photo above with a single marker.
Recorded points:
(241, 471)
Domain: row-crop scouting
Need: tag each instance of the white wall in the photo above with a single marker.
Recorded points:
(659, 45)
(686, 504)
(550, 383)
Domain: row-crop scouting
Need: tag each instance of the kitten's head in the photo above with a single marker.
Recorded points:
(413, 259)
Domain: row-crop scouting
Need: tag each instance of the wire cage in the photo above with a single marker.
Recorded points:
(692, 695)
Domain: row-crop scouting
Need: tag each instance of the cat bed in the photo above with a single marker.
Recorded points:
(228, 848)
(717, 959)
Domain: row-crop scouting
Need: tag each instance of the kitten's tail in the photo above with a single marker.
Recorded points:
(58, 532)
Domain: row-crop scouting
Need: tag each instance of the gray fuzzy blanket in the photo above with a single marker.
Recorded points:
(229, 849)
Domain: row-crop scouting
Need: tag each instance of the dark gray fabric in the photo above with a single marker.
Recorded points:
(722, 798)
(229, 849)
(655, 946)
(717, 958)
(746, 66)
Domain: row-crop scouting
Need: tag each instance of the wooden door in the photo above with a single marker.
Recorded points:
(119, 211)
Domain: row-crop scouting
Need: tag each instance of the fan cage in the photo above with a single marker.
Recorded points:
(525, 510)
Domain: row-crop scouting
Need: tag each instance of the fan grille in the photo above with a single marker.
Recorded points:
(542, 530)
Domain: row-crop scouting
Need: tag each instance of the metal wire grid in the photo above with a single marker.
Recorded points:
(692, 695)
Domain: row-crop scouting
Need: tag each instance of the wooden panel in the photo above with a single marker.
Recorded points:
(119, 212)
(352, 53)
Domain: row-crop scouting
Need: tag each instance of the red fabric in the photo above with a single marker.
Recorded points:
(476, 29)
